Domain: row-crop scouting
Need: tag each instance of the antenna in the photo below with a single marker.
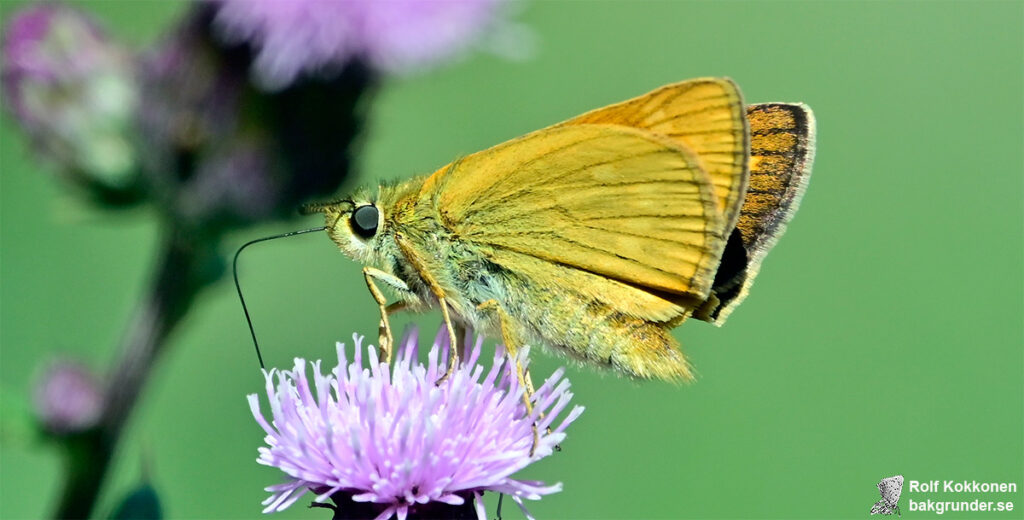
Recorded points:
(238, 287)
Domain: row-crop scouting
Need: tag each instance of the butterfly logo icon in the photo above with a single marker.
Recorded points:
(890, 488)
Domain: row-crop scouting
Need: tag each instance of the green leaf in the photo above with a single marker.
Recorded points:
(141, 504)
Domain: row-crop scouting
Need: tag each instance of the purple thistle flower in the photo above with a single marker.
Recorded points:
(72, 88)
(393, 438)
(68, 398)
(293, 37)
(217, 152)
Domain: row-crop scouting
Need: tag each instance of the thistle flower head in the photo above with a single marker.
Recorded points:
(219, 153)
(68, 398)
(293, 37)
(394, 438)
(72, 88)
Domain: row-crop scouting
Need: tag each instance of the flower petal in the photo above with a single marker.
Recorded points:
(390, 435)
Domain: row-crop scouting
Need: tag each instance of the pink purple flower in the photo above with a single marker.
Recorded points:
(72, 88)
(218, 152)
(68, 398)
(292, 37)
(392, 437)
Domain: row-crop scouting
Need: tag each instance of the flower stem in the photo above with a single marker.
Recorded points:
(187, 264)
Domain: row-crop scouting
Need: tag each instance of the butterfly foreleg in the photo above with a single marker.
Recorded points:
(386, 339)
(512, 345)
(420, 266)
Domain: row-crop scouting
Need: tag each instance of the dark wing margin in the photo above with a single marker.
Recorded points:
(782, 137)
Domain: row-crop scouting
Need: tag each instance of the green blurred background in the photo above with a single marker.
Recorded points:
(884, 335)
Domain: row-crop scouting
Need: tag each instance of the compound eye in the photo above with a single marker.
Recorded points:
(364, 220)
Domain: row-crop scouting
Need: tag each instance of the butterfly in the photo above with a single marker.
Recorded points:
(890, 488)
(595, 236)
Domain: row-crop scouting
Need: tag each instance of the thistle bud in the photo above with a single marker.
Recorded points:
(219, 153)
(68, 398)
(72, 89)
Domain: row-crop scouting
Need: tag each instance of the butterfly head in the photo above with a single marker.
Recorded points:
(355, 224)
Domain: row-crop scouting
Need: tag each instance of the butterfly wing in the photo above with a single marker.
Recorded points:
(781, 154)
(880, 508)
(609, 200)
(891, 488)
(706, 115)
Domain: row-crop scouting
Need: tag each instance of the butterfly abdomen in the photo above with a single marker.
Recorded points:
(593, 332)
(630, 345)
(642, 349)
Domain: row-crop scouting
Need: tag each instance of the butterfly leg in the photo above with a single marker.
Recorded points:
(386, 340)
(421, 268)
(512, 349)
(384, 329)
(453, 358)
(462, 335)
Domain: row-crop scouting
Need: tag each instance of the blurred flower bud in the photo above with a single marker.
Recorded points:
(72, 89)
(294, 38)
(67, 398)
(219, 153)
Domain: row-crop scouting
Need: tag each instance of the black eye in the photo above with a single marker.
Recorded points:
(364, 220)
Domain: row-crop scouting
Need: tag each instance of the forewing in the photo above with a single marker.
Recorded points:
(891, 488)
(706, 115)
(782, 151)
(609, 200)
